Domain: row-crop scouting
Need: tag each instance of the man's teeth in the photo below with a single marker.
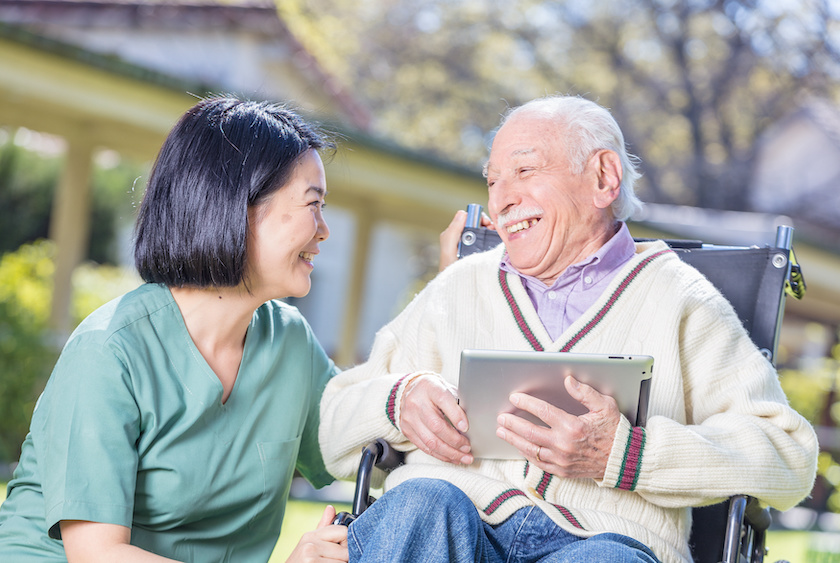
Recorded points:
(307, 256)
(522, 225)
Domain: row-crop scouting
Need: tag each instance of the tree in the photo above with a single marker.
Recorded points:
(693, 83)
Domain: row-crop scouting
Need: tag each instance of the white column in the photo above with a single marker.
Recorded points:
(70, 228)
(346, 352)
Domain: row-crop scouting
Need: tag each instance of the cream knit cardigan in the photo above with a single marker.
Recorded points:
(718, 423)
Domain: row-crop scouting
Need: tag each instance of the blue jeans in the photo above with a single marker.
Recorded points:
(430, 520)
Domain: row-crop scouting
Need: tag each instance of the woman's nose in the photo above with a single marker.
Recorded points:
(323, 232)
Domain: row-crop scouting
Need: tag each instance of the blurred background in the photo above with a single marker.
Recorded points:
(733, 107)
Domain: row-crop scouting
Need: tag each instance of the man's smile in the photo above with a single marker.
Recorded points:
(521, 225)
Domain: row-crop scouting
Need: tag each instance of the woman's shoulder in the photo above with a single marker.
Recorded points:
(281, 311)
(277, 318)
(123, 312)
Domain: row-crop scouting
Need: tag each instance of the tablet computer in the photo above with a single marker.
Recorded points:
(488, 377)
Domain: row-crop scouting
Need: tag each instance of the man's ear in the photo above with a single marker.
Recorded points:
(608, 171)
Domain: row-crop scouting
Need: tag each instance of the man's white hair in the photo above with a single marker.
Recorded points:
(589, 127)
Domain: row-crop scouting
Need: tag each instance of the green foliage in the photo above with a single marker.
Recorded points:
(814, 394)
(26, 356)
(27, 348)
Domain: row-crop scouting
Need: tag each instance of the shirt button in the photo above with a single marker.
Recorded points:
(552, 295)
(587, 279)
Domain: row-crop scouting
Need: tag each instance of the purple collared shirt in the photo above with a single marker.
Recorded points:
(579, 286)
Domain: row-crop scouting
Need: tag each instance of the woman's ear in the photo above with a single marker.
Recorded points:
(609, 173)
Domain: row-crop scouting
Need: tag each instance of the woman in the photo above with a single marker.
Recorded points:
(176, 415)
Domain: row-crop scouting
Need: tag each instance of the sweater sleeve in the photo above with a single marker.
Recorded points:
(362, 403)
(740, 435)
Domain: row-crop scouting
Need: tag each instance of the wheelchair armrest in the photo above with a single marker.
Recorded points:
(744, 510)
(378, 453)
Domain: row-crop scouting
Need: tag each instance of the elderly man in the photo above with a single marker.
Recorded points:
(568, 277)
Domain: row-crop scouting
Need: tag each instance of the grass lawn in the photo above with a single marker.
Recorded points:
(303, 516)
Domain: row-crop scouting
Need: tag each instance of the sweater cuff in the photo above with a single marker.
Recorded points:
(625, 462)
(394, 402)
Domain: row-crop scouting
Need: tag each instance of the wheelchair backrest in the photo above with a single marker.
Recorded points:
(754, 280)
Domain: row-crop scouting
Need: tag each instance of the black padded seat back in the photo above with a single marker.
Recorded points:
(753, 280)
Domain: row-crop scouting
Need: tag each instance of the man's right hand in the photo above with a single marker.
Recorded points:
(432, 420)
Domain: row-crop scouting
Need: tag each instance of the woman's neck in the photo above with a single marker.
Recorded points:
(217, 320)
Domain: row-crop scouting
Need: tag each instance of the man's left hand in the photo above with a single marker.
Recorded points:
(572, 446)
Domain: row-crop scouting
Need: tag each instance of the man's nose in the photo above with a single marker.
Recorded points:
(502, 197)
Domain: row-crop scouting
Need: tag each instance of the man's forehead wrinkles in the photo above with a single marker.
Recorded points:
(521, 152)
(513, 154)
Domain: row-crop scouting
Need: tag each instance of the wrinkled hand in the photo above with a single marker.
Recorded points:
(450, 237)
(428, 405)
(328, 542)
(571, 446)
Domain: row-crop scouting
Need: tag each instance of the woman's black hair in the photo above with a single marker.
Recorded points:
(223, 156)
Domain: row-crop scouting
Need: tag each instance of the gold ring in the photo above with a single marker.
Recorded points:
(538, 453)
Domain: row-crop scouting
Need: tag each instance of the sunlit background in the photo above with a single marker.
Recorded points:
(732, 106)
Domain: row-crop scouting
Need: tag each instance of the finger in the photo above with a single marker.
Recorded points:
(588, 396)
(426, 418)
(332, 534)
(543, 410)
(317, 550)
(526, 430)
(486, 221)
(435, 436)
(451, 409)
(449, 240)
(513, 430)
(327, 517)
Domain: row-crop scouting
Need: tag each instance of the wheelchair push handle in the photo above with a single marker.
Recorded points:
(378, 453)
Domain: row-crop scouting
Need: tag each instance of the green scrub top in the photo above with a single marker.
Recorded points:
(131, 430)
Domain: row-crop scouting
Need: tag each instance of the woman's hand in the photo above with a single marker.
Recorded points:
(328, 542)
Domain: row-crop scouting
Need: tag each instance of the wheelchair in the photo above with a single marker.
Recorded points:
(756, 281)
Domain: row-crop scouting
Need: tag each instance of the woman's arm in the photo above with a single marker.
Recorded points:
(91, 542)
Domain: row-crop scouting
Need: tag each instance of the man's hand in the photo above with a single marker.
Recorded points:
(328, 542)
(571, 446)
(432, 419)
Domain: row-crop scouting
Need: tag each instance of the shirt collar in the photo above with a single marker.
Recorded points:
(614, 253)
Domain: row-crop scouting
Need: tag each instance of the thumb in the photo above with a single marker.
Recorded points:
(327, 517)
(586, 395)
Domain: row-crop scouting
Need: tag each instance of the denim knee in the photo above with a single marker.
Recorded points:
(422, 498)
(606, 547)
(419, 520)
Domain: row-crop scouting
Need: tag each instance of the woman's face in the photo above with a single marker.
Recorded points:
(285, 232)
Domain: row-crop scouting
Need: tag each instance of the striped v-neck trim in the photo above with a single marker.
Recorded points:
(505, 280)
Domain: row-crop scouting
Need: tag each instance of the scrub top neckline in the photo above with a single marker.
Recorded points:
(201, 361)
